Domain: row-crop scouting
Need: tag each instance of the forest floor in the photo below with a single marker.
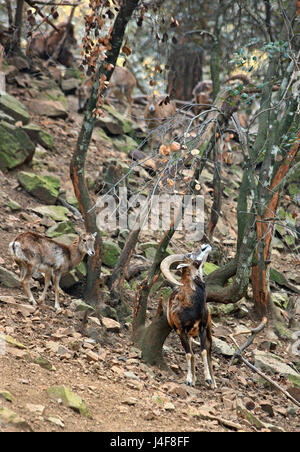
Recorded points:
(123, 394)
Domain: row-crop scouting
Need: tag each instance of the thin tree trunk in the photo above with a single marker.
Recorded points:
(18, 26)
(77, 167)
(265, 230)
(116, 281)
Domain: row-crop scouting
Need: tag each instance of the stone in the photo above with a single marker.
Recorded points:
(8, 416)
(45, 188)
(92, 356)
(126, 144)
(222, 348)
(8, 278)
(56, 421)
(69, 399)
(131, 401)
(35, 409)
(56, 213)
(37, 135)
(111, 325)
(250, 417)
(80, 306)
(111, 253)
(69, 85)
(13, 205)
(14, 108)
(15, 146)
(44, 363)
(274, 364)
(49, 108)
(168, 406)
(6, 395)
(61, 228)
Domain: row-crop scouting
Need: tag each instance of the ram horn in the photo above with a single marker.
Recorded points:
(165, 268)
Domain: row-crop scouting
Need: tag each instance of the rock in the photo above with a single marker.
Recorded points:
(131, 401)
(8, 416)
(294, 392)
(6, 395)
(274, 364)
(6, 118)
(75, 276)
(66, 239)
(222, 348)
(111, 325)
(92, 356)
(49, 108)
(35, 409)
(11, 341)
(56, 421)
(15, 146)
(12, 107)
(127, 126)
(20, 62)
(127, 145)
(37, 135)
(80, 306)
(69, 85)
(245, 414)
(13, 205)
(267, 408)
(8, 279)
(62, 228)
(56, 213)
(168, 406)
(45, 188)
(44, 363)
(69, 399)
(111, 253)
(131, 375)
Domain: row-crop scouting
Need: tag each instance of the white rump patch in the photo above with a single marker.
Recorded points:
(16, 250)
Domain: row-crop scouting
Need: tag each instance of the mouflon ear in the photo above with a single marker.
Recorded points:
(95, 234)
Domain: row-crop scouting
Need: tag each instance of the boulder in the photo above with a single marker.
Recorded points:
(70, 85)
(111, 325)
(49, 108)
(37, 135)
(222, 348)
(12, 107)
(8, 278)
(8, 416)
(15, 146)
(45, 188)
(274, 364)
(111, 253)
(62, 228)
(56, 213)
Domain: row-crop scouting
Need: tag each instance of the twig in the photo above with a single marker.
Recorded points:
(32, 4)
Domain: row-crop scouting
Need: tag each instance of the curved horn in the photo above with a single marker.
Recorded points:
(165, 268)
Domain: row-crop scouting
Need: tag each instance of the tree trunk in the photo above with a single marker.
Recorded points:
(116, 281)
(265, 230)
(185, 70)
(16, 43)
(77, 167)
